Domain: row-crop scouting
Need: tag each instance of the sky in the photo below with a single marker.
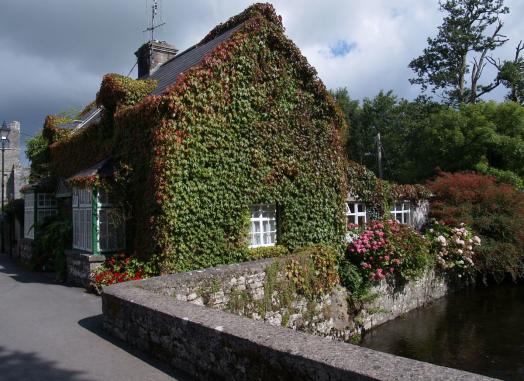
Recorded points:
(53, 53)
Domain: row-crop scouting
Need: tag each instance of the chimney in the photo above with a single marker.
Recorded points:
(153, 54)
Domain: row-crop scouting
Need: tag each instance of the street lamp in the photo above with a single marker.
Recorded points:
(4, 133)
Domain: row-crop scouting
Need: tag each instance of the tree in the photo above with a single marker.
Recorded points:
(37, 152)
(461, 47)
(511, 74)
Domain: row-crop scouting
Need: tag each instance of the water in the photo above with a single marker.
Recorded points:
(480, 330)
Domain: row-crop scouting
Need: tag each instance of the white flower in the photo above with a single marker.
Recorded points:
(442, 240)
(476, 240)
(459, 251)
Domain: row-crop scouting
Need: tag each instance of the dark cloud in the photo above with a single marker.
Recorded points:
(55, 52)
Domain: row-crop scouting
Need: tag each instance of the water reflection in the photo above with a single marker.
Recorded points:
(480, 330)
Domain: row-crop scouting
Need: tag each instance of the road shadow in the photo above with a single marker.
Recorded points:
(94, 324)
(22, 275)
(28, 366)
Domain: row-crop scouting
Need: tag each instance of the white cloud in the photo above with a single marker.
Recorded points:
(54, 53)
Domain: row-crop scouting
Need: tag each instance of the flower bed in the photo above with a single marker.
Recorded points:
(120, 268)
(454, 247)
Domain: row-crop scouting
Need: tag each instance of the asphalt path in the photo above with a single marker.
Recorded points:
(51, 331)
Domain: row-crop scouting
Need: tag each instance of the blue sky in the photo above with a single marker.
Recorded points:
(55, 52)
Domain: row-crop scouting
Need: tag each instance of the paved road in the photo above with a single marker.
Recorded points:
(53, 332)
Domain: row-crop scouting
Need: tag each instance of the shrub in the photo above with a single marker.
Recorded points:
(52, 237)
(453, 247)
(313, 270)
(385, 248)
(267, 252)
(495, 212)
(120, 268)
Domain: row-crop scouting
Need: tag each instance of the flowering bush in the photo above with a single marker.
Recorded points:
(120, 268)
(494, 211)
(453, 247)
(383, 248)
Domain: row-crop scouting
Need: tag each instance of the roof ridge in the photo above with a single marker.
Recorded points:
(265, 10)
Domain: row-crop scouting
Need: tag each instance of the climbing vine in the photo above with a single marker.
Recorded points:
(377, 194)
(251, 123)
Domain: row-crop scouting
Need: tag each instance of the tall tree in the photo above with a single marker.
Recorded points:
(511, 74)
(469, 32)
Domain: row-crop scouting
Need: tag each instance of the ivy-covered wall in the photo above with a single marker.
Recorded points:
(378, 195)
(250, 124)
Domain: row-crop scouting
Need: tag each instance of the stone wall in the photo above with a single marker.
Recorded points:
(249, 289)
(244, 289)
(211, 344)
(80, 265)
(25, 250)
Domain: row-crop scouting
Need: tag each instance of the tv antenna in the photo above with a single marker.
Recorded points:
(153, 27)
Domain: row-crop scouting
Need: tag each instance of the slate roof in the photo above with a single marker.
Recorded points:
(167, 74)
(103, 168)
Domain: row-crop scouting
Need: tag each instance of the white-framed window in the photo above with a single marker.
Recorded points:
(110, 224)
(402, 212)
(263, 225)
(82, 219)
(45, 207)
(46, 201)
(29, 215)
(356, 213)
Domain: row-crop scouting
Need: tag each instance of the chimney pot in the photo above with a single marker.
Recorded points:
(152, 55)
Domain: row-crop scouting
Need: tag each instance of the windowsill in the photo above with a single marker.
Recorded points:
(257, 246)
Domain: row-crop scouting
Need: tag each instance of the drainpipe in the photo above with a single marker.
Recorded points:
(94, 222)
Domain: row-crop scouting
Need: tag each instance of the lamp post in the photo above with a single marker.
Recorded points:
(4, 133)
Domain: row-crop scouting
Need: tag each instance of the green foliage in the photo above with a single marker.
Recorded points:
(420, 137)
(511, 74)
(120, 91)
(37, 152)
(72, 151)
(351, 278)
(378, 195)
(380, 250)
(54, 236)
(463, 37)
(413, 250)
(454, 247)
(251, 124)
(495, 212)
(267, 252)
(121, 268)
(313, 270)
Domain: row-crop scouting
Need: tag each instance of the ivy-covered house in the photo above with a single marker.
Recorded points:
(233, 144)
(229, 145)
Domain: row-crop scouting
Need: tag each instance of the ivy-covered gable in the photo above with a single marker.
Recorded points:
(251, 124)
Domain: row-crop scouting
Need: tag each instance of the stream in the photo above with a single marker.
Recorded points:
(480, 330)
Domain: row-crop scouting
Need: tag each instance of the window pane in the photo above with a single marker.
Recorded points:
(263, 225)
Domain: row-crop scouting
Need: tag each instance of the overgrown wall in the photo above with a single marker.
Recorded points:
(255, 290)
(251, 124)
(208, 343)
